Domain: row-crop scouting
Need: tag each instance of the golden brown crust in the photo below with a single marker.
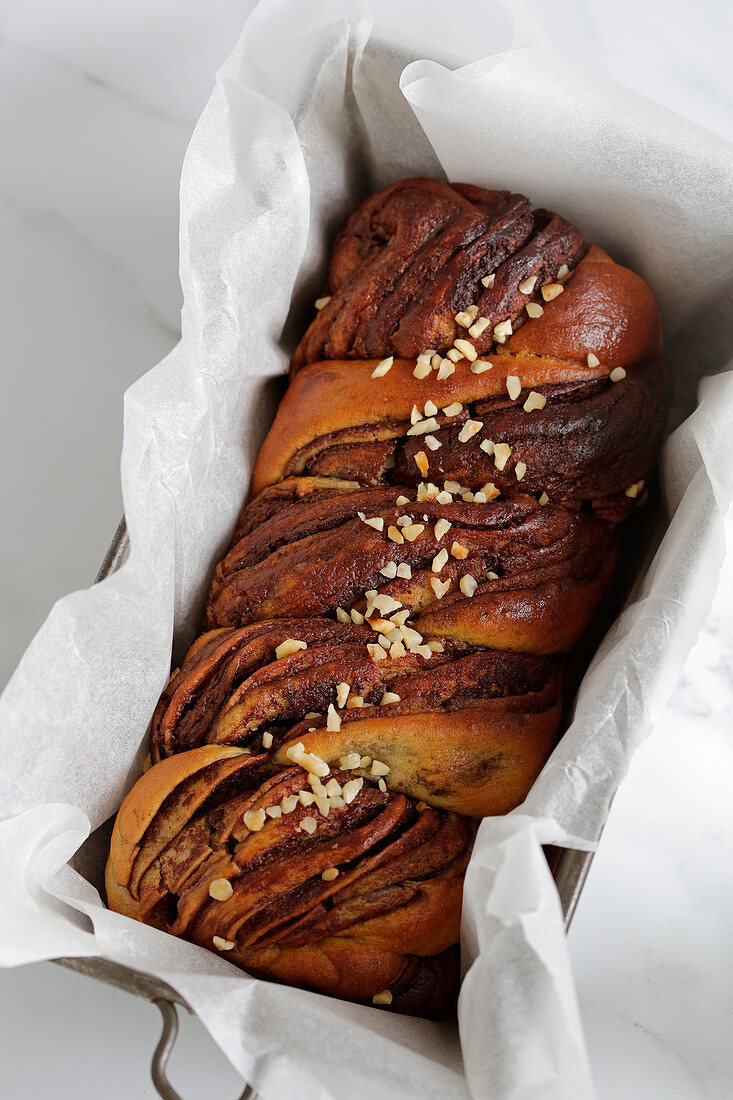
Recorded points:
(232, 876)
(425, 538)
(462, 729)
(605, 309)
(413, 255)
(330, 397)
(539, 570)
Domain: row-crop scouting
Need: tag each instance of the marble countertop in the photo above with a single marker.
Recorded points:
(97, 108)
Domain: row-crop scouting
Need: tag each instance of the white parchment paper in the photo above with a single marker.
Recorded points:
(319, 104)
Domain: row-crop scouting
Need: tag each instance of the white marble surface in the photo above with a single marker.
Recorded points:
(97, 103)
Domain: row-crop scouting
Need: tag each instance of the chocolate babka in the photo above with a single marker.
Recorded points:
(477, 404)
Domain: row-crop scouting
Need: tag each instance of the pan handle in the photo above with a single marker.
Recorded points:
(161, 1054)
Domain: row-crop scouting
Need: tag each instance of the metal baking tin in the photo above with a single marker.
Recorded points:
(569, 871)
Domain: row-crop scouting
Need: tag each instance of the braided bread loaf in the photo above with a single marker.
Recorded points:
(474, 408)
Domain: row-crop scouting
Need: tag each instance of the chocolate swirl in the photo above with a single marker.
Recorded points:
(359, 898)
(516, 575)
(462, 728)
(413, 255)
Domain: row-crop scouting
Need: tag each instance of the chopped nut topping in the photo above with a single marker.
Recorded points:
(458, 550)
(226, 945)
(309, 825)
(424, 426)
(382, 786)
(487, 446)
(306, 798)
(395, 534)
(430, 408)
(274, 811)
(379, 624)
(479, 326)
(376, 652)
(330, 874)
(351, 760)
(635, 489)
(528, 285)
(397, 650)
(488, 280)
(378, 768)
(544, 499)
(357, 617)
(266, 740)
(342, 616)
(464, 319)
(420, 806)
(376, 522)
(351, 789)
(534, 401)
(381, 368)
(503, 329)
(451, 486)
(333, 788)
(421, 461)
(520, 470)
(445, 369)
(288, 647)
(422, 369)
(551, 290)
(354, 702)
(442, 527)
(469, 429)
(433, 443)
(466, 348)
(445, 498)
(384, 604)
(402, 500)
(480, 366)
(254, 820)
(468, 585)
(593, 360)
(311, 763)
(453, 409)
(415, 416)
(534, 309)
(321, 302)
(288, 803)
(513, 386)
(411, 637)
(389, 697)
(502, 452)
(342, 693)
(617, 374)
(220, 889)
(562, 271)
(404, 570)
(412, 531)
(439, 587)
(436, 647)
(492, 576)
(389, 570)
(439, 560)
